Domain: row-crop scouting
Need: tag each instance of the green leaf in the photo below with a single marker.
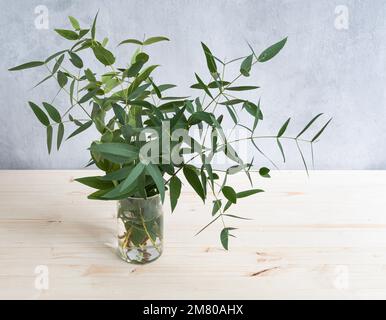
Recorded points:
(60, 135)
(133, 41)
(89, 75)
(264, 172)
(95, 182)
(117, 175)
(281, 149)
(39, 113)
(88, 95)
(203, 86)
(72, 87)
(62, 79)
(272, 51)
(54, 56)
(199, 116)
(247, 193)
(216, 207)
(58, 64)
(212, 85)
(193, 179)
(232, 114)
(156, 90)
(74, 23)
(175, 191)
(229, 193)
(224, 237)
(308, 125)
(68, 34)
(76, 60)
(132, 177)
(27, 65)
(141, 77)
(116, 149)
(246, 65)
(105, 41)
(103, 55)
(86, 43)
(218, 84)
(93, 27)
(52, 112)
(227, 205)
(242, 88)
(49, 138)
(321, 131)
(155, 173)
(154, 40)
(236, 217)
(211, 63)
(283, 128)
(82, 128)
(119, 113)
(232, 102)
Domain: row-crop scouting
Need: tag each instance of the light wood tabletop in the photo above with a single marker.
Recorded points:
(317, 237)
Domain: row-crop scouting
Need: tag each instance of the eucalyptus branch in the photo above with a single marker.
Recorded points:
(117, 152)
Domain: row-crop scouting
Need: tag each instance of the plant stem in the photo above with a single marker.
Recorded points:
(147, 232)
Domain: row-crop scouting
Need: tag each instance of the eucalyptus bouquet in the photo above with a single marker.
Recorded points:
(146, 136)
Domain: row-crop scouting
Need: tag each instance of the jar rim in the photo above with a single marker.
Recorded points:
(147, 198)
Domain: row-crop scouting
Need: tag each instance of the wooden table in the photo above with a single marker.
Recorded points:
(322, 237)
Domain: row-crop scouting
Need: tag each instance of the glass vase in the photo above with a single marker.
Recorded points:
(140, 229)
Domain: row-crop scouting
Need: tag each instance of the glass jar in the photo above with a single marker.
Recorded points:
(140, 229)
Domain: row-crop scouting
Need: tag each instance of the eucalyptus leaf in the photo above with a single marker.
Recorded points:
(49, 138)
(224, 237)
(321, 131)
(216, 207)
(27, 65)
(82, 128)
(247, 193)
(74, 23)
(193, 179)
(132, 177)
(283, 128)
(52, 112)
(60, 135)
(309, 125)
(281, 149)
(39, 113)
(103, 55)
(68, 34)
(229, 193)
(62, 79)
(58, 64)
(156, 175)
(242, 88)
(272, 51)
(246, 65)
(88, 96)
(93, 27)
(95, 182)
(264, 172)
(154, 40)
(203, 86)
(76, 60)
(175, 191)
(210, 61)
(132, 41)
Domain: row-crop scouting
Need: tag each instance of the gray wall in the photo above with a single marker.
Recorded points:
(322, 68)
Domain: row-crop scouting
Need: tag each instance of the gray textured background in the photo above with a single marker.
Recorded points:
(322, 69)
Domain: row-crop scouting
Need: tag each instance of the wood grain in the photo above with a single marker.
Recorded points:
(317, 237)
